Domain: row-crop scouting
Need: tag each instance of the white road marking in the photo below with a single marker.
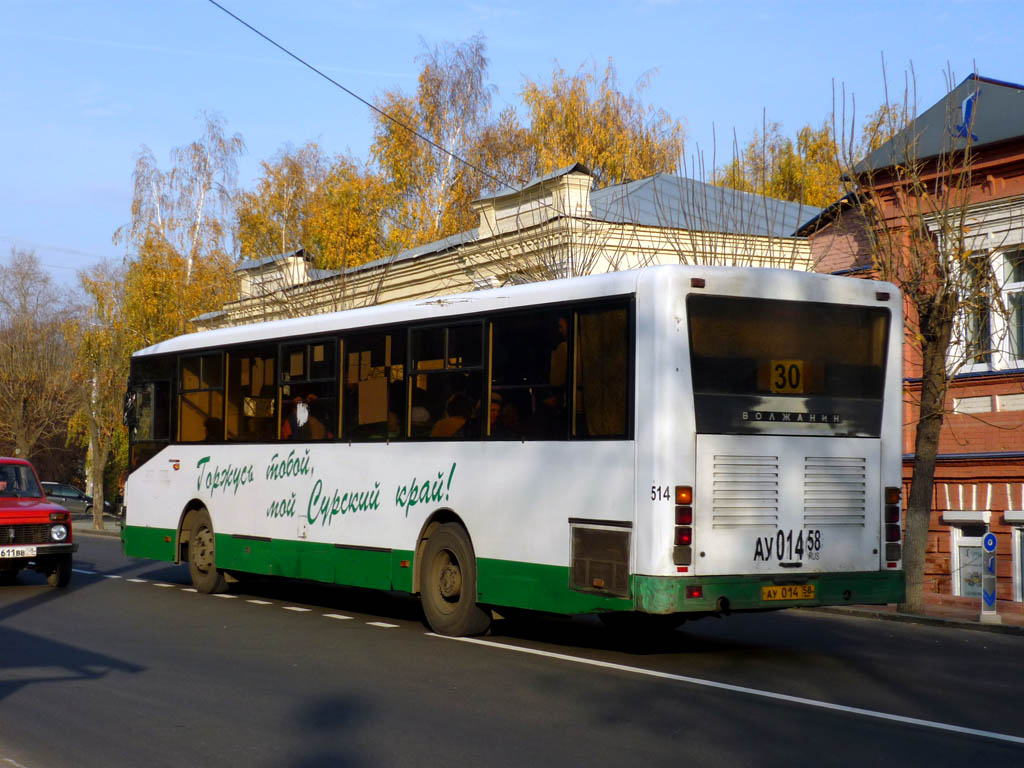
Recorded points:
(111, 576)
(259, 602)
(82, 570)
(227, 597)
(190, 589)
(137, 581)
(383, 624)
(748, 691)
(168, 586)
(15, 763)
(336, 616)
(297, 609)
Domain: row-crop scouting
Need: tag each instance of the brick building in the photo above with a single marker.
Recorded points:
(979, 478)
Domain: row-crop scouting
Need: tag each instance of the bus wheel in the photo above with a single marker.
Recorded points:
(201, 556)
(448, 584)
(59, 574)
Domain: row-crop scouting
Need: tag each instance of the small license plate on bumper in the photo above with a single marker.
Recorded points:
(788, 592)
(10, 552)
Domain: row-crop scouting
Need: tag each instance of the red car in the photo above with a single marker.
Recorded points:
(33, 531)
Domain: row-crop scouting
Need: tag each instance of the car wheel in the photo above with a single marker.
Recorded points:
(60, 574)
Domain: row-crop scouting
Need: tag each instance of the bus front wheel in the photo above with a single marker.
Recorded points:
(202, 564)
(448, 584)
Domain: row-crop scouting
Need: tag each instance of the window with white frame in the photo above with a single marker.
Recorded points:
(965, 558)
(1016, 519)
(988, 339)
(1012, 274)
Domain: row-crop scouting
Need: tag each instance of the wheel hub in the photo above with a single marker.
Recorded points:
(451, 581)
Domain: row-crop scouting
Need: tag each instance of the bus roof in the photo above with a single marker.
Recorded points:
(489, 300)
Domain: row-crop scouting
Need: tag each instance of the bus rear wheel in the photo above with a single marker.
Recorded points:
(448, 584)
(202, 563)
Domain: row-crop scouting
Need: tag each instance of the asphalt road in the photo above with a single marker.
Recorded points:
(128, 668)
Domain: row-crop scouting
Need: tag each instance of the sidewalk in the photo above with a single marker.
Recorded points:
(942, 611)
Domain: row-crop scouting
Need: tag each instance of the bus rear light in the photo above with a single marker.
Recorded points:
(697, 282)
(893, 495)
(684, 495)
(684, 536)
(694, 591)
(892, 513)
(893, 552)
(684, 515)
(892, 532)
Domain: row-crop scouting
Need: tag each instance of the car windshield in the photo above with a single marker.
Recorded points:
(18, 480)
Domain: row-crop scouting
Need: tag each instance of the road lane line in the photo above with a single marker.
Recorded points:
(82, 570)
(112, 576)
(297, 609)
(190, 589)
(165, 586)
(337, 616)
(383, 624)
(744, 690)
(259, 602)
(137, 581)
(227, 597)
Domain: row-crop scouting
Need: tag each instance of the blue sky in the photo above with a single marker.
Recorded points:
(83, 84)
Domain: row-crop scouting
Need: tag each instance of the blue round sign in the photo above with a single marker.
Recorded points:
(989, 542)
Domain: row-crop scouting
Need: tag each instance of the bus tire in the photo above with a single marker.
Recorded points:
(59, 574)
(202, 561)
(448, 584)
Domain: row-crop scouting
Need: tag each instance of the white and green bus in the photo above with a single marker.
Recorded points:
(667, 442)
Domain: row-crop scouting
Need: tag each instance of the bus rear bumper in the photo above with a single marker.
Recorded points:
(727, 594)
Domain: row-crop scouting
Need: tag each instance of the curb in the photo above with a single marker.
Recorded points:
(93, 532)
(82, 526)
(911, 618)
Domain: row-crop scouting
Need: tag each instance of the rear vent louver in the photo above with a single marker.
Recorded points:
(745, 491)
(835, 491)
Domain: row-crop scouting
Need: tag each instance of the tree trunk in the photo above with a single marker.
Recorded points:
(919, 507)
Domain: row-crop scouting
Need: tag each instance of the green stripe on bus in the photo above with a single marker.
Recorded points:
(539, 587)
(154, 543)
(516, 584)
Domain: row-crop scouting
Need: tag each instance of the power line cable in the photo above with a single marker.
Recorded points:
(359, 98)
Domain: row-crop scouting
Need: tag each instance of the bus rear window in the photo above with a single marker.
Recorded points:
(762, 358)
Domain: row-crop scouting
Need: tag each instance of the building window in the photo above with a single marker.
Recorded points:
(965, 558)
(977, 311)
(1013, 293)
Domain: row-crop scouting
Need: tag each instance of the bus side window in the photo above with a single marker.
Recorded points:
(374, 391)
(251, 409)
(447, 382)
(309, 390)
(602, 373)
(529, 358)
(201, 398)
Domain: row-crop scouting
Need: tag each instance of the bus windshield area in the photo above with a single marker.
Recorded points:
(760, 363)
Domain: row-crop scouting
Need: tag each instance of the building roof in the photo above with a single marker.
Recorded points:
(246, 264)
(980, 109)
(667, 200)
